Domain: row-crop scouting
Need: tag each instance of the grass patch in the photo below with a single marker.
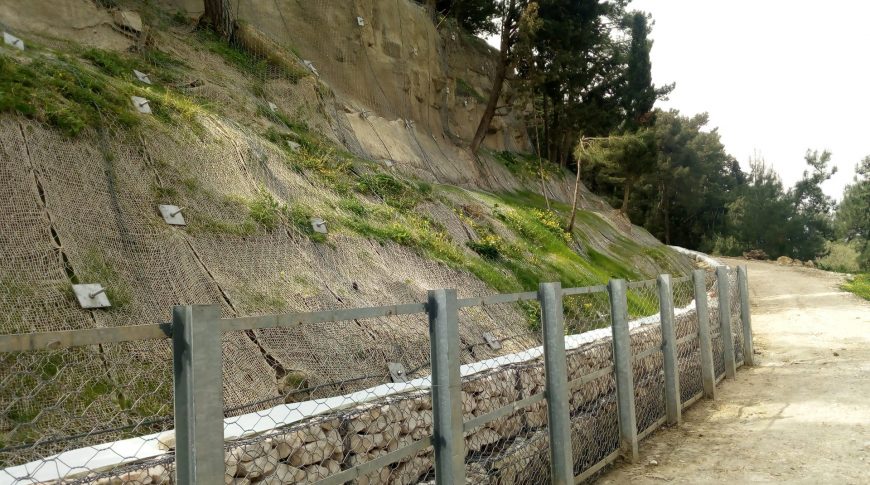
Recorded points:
(62, 94)
(161, 68)
(73, 95)
(393, 191)
(526, 166)
(232, 54)
(95, 268)
(859, 285)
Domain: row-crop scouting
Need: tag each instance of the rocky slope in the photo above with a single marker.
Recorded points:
(252, 150)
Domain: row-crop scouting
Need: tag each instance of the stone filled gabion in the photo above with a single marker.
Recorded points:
(510, 449)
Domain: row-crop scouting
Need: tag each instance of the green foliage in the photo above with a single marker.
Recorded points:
(841, 257)
(474, 16)
(852, 219)
(489, 246)
(526, 166)
(640, 93)
(300, 216)
(793, 223)
(465, 90)
(624, 160)
(353, 206)
(109, 62)
(265, 210)
(859, 285)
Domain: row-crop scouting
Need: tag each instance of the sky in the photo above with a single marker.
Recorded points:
(777, 77)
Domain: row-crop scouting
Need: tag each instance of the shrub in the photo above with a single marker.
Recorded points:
(841, 257)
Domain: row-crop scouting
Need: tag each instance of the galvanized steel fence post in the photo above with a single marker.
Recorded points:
(724, 285)
(708, 371)
(623, 370)
(556, 372)
(448, 439)
(198, 381)
(745, 316)
(669, 350)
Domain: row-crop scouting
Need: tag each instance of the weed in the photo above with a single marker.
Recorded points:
(353, 206)
(488, 246)
(265, 210)
(859, 285)
(394, 192)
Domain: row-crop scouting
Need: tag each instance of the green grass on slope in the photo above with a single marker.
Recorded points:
(859, 285)
(84, 88)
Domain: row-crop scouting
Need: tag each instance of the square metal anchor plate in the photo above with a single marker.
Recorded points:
(91, 295)
(141, 76)
(397, 372)
(15, 42)
(141, 104)
(319, 225)
(172, 215)
(493, 342)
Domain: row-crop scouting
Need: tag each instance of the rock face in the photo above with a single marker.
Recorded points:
(361, 63)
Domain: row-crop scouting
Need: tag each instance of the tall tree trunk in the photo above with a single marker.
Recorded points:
(546, 123)
(540, 162)
(498, 81)
(576, 190)
(492, 104)
(218, 15)
(626, 193)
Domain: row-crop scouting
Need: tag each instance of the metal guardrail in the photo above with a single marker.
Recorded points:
(201, 452)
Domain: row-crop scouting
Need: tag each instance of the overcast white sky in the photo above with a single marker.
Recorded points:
(777, 77)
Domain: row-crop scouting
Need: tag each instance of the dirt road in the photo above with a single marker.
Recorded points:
(802, 415)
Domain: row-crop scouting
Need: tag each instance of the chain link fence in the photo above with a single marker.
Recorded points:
(688, 345)
(119, 423)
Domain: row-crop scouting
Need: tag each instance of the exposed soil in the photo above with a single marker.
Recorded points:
(801, 415)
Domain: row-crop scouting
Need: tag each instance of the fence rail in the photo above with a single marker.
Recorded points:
(599, 370)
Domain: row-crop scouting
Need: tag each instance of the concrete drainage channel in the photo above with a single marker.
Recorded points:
(557, 412)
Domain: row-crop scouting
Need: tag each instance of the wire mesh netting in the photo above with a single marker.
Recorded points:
(688, 343)
(59, 407)
(585, 312)
(592, 386)
(507, 367)
(334, 369)
(711, 283)
(647, 364)
(736, 321)
(323, 446)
